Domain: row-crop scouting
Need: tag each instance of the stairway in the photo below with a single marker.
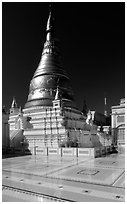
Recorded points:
(16, 137)
(14, 133)
(103, 139)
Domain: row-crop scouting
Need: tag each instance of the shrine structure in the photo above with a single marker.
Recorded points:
(50, 118)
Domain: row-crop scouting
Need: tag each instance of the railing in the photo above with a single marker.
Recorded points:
(14, 134)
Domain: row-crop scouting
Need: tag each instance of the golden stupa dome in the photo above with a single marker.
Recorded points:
(49, 74)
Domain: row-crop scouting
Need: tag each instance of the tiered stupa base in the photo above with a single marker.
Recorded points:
(56, 127)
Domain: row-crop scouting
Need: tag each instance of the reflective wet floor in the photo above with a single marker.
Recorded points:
(56, 179)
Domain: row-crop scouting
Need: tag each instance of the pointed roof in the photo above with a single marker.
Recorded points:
(51, 59)
(14, 104)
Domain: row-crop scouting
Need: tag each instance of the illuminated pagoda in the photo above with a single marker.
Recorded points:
(50, 118)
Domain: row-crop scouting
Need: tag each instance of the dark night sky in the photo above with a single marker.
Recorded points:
(92, 38)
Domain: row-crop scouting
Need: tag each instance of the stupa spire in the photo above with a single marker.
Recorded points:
(51, 59)
(14, 104)
(49, 28)
(50, 31)
(49, 73)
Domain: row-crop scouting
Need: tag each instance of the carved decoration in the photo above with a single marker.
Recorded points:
(90, 172)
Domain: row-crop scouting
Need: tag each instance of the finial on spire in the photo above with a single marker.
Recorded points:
(50, 20)
(50, 8)
(14, 104)
(105, 111)
(105, 104)
(49, 28)
(57, 93)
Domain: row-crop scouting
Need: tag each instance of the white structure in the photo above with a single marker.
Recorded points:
(118, 122)
(16, 125)
(50, 118)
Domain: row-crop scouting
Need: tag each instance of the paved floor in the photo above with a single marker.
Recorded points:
(41, 178)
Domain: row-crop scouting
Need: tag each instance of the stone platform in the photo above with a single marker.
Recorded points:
(54, 178)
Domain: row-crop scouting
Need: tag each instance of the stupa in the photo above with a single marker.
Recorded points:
(50, 97)
(50, 118)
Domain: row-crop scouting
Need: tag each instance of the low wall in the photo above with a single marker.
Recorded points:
(53, 151)
(74, 152)
(69, 151)
(42, 151)
(85, 152)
